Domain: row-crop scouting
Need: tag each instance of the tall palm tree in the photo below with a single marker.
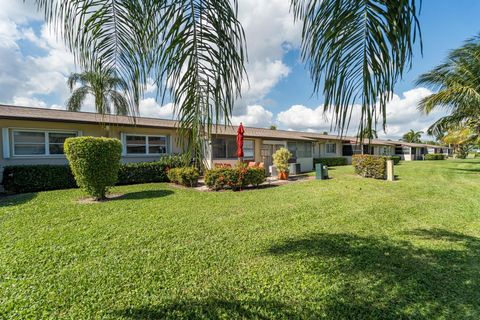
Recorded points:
(110, 92)
(457, 83)
(413, 136)
(195, 51)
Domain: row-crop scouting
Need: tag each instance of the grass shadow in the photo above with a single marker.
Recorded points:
(380, 278)
(215, 309)
(147, 194)
(17, 199)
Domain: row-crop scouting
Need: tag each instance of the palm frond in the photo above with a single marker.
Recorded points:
(119, 102)
(202, 62)
(194, 49)
(357, 49)
(75, 101)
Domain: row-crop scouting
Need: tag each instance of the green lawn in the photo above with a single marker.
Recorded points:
(343, 248)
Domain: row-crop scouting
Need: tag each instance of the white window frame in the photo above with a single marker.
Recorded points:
(46, 142)
(147, 151)
(326, 148)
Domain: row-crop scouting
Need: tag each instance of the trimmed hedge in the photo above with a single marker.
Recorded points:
(434, 156)
(95, 162)
(185, 176)
(331, 162)
(396, 159)
(142, 172)
(369, 166)
(34, 178)
(234, 178)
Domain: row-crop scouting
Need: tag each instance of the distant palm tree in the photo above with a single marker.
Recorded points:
(110, 92)
(458, 84)
(368, 133)
(413, 136)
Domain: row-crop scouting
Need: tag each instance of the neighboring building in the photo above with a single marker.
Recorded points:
(36, 136)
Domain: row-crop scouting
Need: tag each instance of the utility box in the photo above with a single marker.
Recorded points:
(321, 171)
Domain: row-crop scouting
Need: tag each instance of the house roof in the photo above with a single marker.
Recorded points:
(36, 114)
(43, 114)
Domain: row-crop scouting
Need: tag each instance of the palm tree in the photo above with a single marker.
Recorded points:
(462, 139)
(413, 136)
(110, 92)
(368, 134)
(195, 52)
(458, 88)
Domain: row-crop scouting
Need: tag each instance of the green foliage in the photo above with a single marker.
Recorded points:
(186, 176)
(142, 172)
(280, 159)
(369, 166)
(234, 178)
(331, 162)
(413, 136)
(396, 159)
(476, 155)
(33, 178)
(456, 85)
(94, 162)
(110, 92)
(434, 156)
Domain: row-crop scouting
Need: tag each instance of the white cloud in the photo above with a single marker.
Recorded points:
(150, 108)
(402, 115)
(270, 32)
(256, 116)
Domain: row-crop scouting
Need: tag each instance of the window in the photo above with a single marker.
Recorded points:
(226, 148)
(300, 149)
(142, 144)
(39, 143)
(331, 148)
(249, 149)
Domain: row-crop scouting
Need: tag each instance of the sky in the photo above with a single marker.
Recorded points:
(34, 65)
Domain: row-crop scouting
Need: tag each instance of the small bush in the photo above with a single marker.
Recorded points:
(281, 158)
(331, 162)
(33, 178)
(396, 159)
(234, 178)
(370, 166)
(94, 162)
(434, 156)
(186, 176)
(476, 155)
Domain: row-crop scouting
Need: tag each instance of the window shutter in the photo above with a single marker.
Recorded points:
(124, 143)
(169, 145)
(6, 143)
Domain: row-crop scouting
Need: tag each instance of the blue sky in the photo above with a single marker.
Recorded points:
(445, 25)
(34, 65)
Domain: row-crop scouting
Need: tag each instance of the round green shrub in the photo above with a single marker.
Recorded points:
(94, 162)
(281, 158)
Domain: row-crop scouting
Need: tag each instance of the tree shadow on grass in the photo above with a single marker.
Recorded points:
(215, 309)
(466, 171)
(17, 199)
(379, 278)
(146, 194)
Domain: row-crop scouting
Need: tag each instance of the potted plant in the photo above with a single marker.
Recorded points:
(280, 160)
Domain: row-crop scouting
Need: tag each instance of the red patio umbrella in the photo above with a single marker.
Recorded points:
(240, 133)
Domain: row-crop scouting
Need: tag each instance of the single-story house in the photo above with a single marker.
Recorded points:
(36, 136)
